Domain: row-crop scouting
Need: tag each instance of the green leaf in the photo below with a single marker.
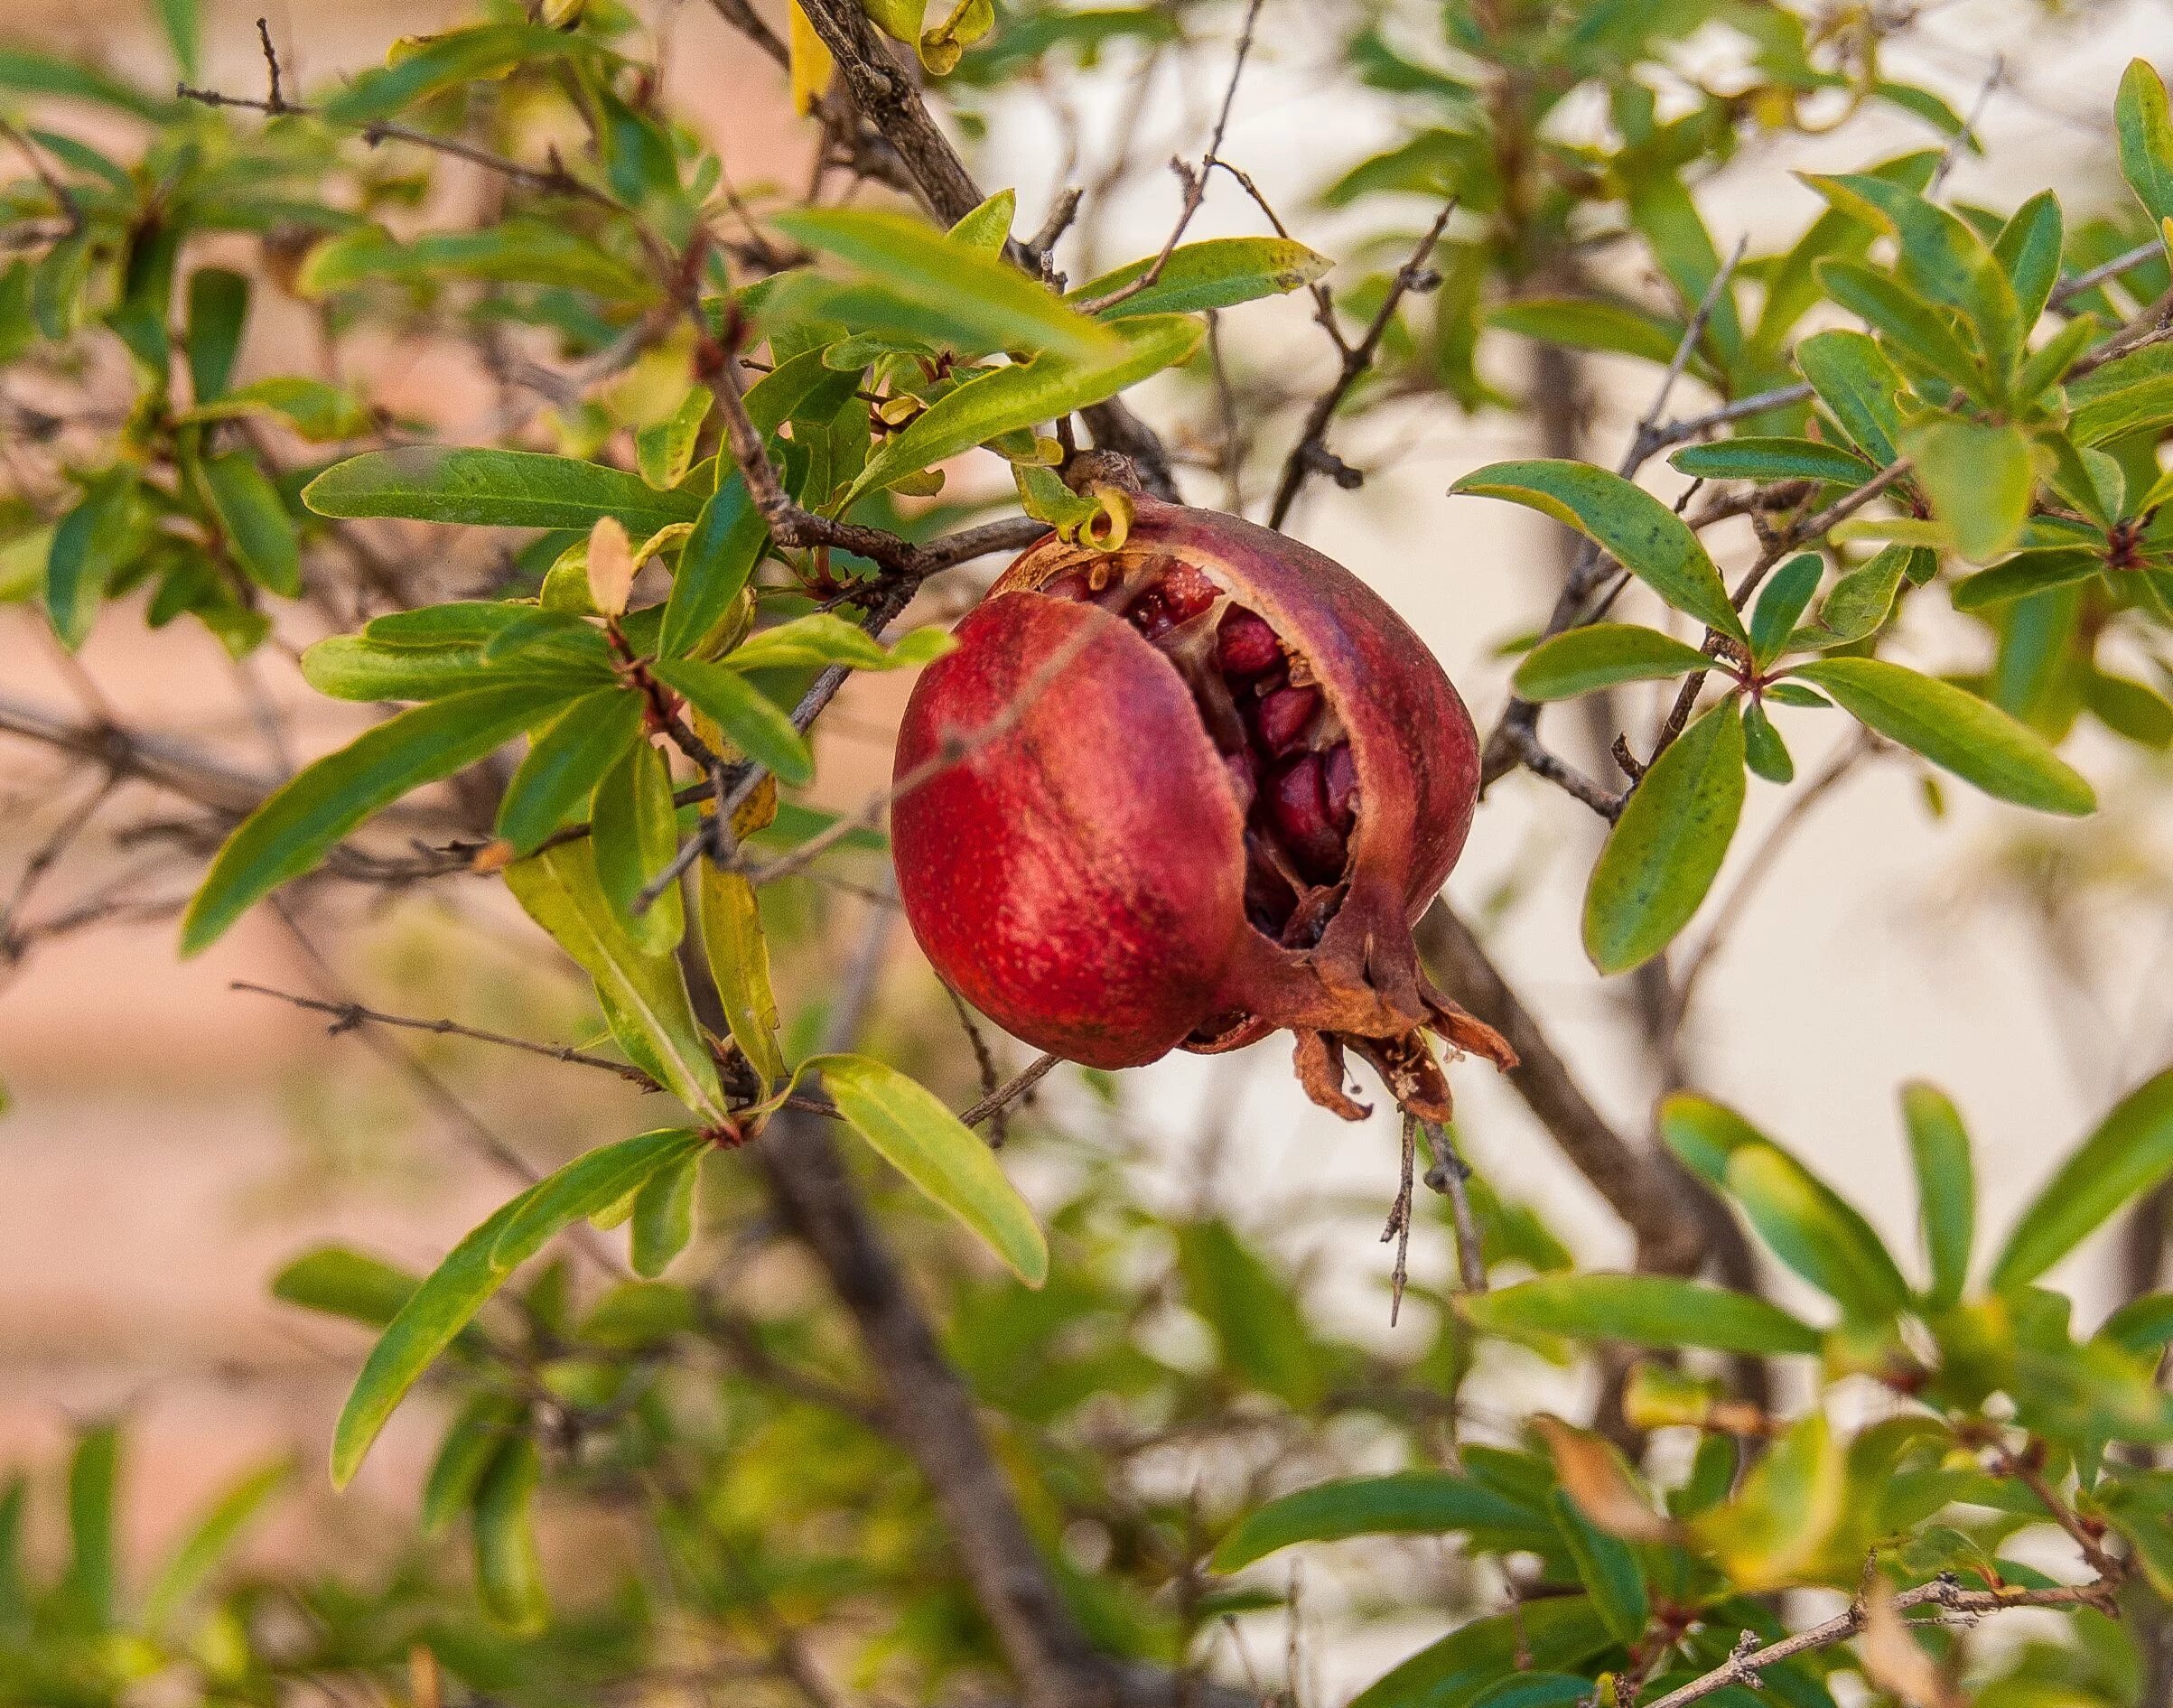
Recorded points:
(757, 725)
(1535, 1690)
(635, 830)
(664, 1215)
(89, 1587)
(354, 667)
(1592, 323)
(219, 307)
(2027, 572)
(1946, 1187)
(1857, 383)
(476, 54)
(2111, 415)
(906, 1124)
(1787, 1508)
(588, 1186)
(1607, 1569)
(1024, 395)
(1859, 602)
(2141, 1325)
(517, 251)
(2129, 1153)
(1763, 749)
(2141, 714)
(1816, 1233)
(1259, 1326)
(2028, 248)
(823, 638)
(1646, 538)
(912, 259)
(1979, 478)
(27, 73)
(1667, 846)
(437, 1311)
(494, 488)
(473, 1441)
(509, 1571)
(738, 953)
(1773, 620)
(299, 822)
(1553, 1634)
(1219, 273)
(1599, 656)
(565, 763)
(714, 566)
(1970, 737)
(316, 409)
(2145, 133)
(1757, 459)
(1654, 1311)
(341, 1282)
(643, 995)
(1407, 1503)
(987, 226)
(664, 450)
(206, 1546)
(258, 531)
(2048, 364)
(1913, 325)
(88, 547)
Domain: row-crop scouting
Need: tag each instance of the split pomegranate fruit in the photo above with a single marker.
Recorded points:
(1187, 793)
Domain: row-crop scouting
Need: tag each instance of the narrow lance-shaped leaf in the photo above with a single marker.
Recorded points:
(2127, 1155)
(496, 489)
(1946, 1187)
(1815, 1232)
(2142, 123)
(1853, 378)
(714, 565)
(1219, 273)
(1971, 737)
(1654, 1311)
(634, 828)
(1666, 848)
(1646, 538)
(756, 724)
(508, 1569)
(85, 553)
(1601, 655)
(1773, 618)
(460, 1286)
(565, 762)
(987, 226)
(739, 964)
(206, 1546)
(1026, 394)
(1407, 1503)
(643, 995)
(1763, 459)
(664, 1215)
(909, 1127)
(914, 258)
(301, 821)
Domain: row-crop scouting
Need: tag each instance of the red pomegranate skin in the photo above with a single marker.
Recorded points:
(1078, 872)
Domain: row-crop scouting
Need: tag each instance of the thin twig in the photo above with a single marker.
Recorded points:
(1311, 454)
(1194, 181)
(1010, 1091)
(1750, 1658)
(349, 1015)
(1450, 1174)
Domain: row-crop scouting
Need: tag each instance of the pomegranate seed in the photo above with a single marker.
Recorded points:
(1179, 597)
(1299, 807)
(1074, 586)
(1339, 779)
(1244, 778)
(1246, 646)
(1280, 719)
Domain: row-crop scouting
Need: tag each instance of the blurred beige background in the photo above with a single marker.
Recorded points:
(172, 1141)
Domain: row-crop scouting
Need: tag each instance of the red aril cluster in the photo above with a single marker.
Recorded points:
(1204, 786)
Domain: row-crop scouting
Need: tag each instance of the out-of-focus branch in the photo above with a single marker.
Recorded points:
(1667, 1239)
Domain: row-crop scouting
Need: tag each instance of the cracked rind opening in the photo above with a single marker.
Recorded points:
(1330, 954)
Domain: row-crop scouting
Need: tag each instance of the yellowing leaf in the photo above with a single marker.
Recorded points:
(811, 64)
(611, 566)
(1594, 1476)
